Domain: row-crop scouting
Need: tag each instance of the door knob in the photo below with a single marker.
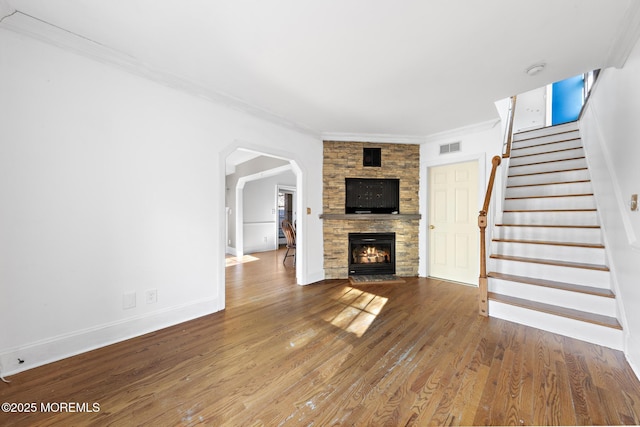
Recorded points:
(431, 227)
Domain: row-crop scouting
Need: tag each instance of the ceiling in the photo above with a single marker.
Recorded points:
(375, 67)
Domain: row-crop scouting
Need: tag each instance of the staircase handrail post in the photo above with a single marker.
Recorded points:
(483, 304)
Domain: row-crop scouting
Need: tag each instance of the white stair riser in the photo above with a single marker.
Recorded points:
(550, 234)
(549, 190)
(527, 139)
(556, 131)
(551, 218)
(551, 252)
(576, 276)
(545, 178)
(544, 146)
(558, 297)
(548, 167)
(577, 202)
(547, 157)
(596, 334)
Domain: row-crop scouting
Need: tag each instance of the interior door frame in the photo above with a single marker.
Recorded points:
(481, 158)
(285, 189)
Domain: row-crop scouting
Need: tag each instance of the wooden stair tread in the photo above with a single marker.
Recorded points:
(549, 210)
(596, 319)
(590, 290)
(586, 266)
(545, 172)
(550, 196)
(582, 181)
(547, 225)
(540, 145)
(544, 152)
(547, 161)
(522, 133)
(551, 243)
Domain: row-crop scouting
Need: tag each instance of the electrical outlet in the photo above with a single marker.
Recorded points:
(152, 296)
(128, 300)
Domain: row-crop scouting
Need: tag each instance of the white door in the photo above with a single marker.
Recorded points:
(453, 222)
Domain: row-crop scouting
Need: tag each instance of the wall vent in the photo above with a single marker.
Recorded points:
(450, 148)
(372, 157)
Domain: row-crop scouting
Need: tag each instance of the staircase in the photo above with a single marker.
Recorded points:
(548, 267)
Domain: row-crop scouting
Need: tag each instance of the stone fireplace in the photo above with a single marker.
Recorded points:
(344, 160)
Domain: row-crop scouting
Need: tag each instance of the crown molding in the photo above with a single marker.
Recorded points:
(5, 10)
(465, 130)
(409, 139)
(627, 37)
(37, 29)
(374, 138)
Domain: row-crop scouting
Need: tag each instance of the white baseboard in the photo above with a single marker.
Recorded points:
(314, 277)
(632, 354)
(67, 345)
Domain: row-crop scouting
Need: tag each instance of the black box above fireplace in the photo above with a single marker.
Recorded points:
(372, 196)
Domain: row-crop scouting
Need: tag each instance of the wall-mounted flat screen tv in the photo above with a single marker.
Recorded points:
(372, 195)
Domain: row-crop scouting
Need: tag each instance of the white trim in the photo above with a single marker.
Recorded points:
(5, 10)
(372, 137)
(303, 277)
(67, 345)
(462, 131)
(632, 347)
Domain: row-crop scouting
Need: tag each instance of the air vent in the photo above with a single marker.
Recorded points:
(450, 148)
(372, 157)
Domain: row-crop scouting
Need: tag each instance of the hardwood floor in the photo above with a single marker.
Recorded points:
(333, 353)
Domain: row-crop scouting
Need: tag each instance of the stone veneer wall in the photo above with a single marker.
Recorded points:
(344, 160)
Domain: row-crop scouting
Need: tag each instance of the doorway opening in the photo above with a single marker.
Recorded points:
(254, 182)
(285, 202)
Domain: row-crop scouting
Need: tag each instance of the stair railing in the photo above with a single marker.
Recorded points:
(483, 285)
(506, 151)
(482, 223)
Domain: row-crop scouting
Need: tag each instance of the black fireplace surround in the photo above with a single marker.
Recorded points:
(372, 253)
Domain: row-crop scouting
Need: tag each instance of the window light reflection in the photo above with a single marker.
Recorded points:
(232, 260)
(359, 310)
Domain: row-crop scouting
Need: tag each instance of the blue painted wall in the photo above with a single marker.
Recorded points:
(566, 100)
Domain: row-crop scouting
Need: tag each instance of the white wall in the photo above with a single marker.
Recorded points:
(478, 143)
(251, 167)
(260, 219)
(111, 184)
(611, 134)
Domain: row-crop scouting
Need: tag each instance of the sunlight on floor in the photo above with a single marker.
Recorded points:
(359, 311)
(232, 260)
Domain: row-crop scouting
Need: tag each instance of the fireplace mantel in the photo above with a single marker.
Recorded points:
(369, 217)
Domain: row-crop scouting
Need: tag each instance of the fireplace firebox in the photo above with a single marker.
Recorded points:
(372, 253)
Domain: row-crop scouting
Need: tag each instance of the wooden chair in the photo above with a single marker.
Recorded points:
(290, 234)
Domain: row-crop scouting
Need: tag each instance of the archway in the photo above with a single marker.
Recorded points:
(234, 211)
